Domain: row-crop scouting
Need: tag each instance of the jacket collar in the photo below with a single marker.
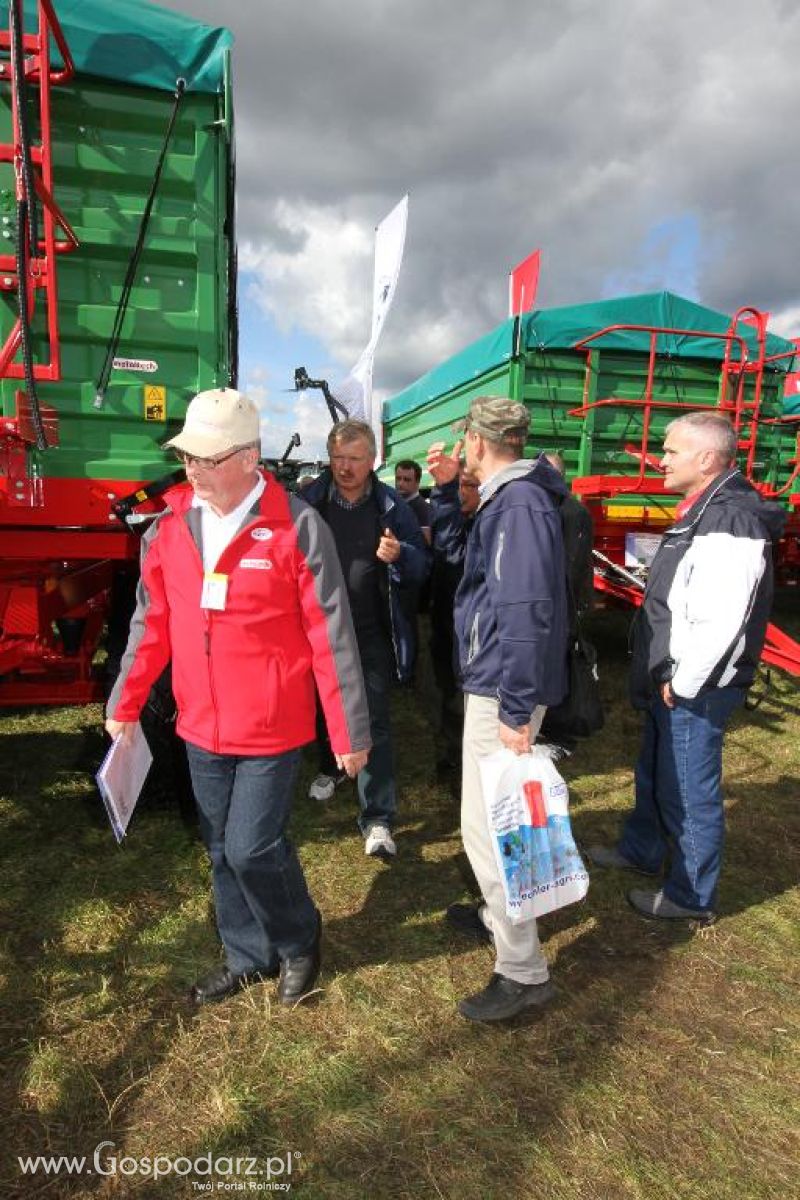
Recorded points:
(538, 470)
(179, 498)
(702, 502)
(318, 492)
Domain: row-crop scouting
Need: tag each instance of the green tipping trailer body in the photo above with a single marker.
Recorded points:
(59, 534)
(589, 398)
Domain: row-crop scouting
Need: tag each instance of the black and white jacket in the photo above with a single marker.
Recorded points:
(709, 594)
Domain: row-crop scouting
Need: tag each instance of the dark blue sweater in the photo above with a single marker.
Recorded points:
(400, 581)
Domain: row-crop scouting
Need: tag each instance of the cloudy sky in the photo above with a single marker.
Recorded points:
(641, 144)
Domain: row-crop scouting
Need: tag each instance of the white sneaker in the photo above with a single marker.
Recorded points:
(380, 843)
(322, 788)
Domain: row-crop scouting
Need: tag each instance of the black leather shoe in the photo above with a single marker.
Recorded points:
(298, 975)
(504, 998)
(222, 983)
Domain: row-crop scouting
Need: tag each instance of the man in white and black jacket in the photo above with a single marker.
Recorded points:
(698, 639)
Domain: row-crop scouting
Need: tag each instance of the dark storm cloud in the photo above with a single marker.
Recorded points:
(576, 126)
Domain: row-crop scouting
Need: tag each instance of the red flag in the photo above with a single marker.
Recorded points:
(522, 284)
(791, 385)
(758, 322)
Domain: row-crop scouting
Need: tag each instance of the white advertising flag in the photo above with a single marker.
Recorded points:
(390, 240)
(355, 390)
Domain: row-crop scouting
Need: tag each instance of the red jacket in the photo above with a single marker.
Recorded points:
(244, 677)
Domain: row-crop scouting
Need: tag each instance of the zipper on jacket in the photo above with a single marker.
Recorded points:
(207, 640)
(474, 645)
(393, 636)
(500, 547)
(392, 632)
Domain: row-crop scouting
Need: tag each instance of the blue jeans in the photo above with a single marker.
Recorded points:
(377, 795)
(264, 911)
(679, 795)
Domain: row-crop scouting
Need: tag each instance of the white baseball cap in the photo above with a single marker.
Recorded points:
(216, 421)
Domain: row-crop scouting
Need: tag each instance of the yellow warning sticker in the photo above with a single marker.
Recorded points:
(155, 402)
(639, 512)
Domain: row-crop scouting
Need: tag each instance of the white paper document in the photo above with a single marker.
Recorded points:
(121, 779)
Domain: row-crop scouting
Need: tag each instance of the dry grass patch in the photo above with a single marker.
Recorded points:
(666, 1069)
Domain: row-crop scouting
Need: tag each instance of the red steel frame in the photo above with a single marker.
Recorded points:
(47, 575)
(41, 272)
(610, 485)
(732, 369)
(779, 650)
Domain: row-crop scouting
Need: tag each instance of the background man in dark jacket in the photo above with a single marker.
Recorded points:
(384, 561)
(407, 476)
(511, 628)
(698, 639)
(578, 530)
(451, 521)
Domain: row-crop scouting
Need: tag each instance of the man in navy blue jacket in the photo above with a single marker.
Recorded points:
(511, 625)
(384, 561)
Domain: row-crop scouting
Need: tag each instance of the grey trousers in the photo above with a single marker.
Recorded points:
(518, 953)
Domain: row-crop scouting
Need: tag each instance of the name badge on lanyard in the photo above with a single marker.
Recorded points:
(215, 591)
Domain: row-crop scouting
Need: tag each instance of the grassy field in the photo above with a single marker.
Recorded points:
(666, 1069)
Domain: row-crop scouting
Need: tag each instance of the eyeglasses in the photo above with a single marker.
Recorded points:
(205, 464)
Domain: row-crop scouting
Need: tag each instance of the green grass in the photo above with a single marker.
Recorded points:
(667, 1068)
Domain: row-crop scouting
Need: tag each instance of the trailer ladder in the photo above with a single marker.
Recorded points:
(34, 266)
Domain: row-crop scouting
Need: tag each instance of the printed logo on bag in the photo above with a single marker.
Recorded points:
(532, 790)
(256, 564)
(262, 534)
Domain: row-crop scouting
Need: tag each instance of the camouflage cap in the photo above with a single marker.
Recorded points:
(496, 418)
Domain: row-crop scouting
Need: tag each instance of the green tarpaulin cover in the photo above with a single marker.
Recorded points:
(135, 42)
(562, 328)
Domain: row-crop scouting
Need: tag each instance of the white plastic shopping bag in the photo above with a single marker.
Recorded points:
(527, 811)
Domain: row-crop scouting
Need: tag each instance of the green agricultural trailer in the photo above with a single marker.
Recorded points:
(602, 381)
(118, 303)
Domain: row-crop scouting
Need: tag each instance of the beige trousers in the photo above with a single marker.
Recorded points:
(518, 953)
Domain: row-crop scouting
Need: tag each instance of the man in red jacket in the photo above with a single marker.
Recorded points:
(241, 590)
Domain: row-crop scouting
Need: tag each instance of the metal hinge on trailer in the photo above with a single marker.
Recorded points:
(24, 483)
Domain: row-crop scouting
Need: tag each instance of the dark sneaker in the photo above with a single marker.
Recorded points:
(659, 907)
(504, 998)
(609, 856)
(466, 918)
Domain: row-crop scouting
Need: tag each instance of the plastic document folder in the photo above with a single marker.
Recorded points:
(121, 779)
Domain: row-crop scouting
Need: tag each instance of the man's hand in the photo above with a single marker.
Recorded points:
(444, 467)
(667, 694)
(123, 729)
(388, 547)
(351, 764)
(518, 740)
